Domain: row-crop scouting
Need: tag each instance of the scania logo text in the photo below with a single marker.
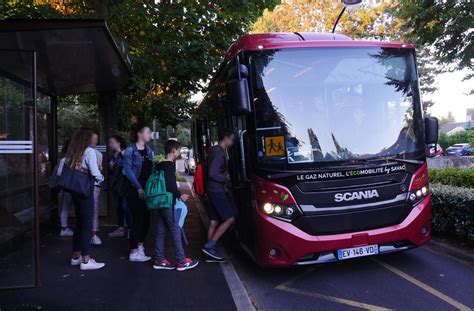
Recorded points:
(357, 195)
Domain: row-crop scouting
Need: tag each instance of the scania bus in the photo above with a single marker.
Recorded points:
(330, 159)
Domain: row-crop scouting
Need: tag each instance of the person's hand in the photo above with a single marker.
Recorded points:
(112, 163)
(184, 197)
(141, 193)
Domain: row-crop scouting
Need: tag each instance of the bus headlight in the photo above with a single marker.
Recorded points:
(279, 210)
(418, 195)
(268, 208)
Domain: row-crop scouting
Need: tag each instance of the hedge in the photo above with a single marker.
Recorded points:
(454, 176)
(453, 211)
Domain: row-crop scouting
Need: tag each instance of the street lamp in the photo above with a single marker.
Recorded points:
(346, 4)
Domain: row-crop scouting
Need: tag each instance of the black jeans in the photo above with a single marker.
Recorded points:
(140, 219)
(84, 209)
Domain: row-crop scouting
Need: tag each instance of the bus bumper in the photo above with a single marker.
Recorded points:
(281, 244)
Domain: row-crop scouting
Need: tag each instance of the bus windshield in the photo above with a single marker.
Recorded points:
(335, 104)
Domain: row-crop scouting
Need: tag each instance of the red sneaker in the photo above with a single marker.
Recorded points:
(163, 265)
(187, 264)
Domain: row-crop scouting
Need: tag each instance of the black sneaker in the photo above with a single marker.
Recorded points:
(187, 264)
(211, 252)
(210, 259)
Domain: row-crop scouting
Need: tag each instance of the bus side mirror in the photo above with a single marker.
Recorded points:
(431, 136)
(431, 130)
(238, 91)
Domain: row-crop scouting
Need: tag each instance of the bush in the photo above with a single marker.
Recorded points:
(453, 211)
(159, 158)
(454, 176)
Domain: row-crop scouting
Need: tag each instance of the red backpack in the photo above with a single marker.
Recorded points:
(199, 181)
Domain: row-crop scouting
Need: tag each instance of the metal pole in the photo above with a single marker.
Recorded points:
(338, 18)
(35, 177)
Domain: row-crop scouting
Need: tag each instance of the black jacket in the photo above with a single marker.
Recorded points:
(170, 176)
(217, 174)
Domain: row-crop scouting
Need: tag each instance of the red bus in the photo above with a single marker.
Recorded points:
(330, 159)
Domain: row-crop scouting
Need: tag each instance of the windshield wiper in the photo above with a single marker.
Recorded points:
(395, 159)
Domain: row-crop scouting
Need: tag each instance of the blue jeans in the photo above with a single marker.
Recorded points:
(166, 220)
(122, 210)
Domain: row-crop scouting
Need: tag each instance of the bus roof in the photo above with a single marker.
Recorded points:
(279, 40)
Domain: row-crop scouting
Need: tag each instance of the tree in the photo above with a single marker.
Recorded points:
(446, 26)
(449, 118)
(174, 46)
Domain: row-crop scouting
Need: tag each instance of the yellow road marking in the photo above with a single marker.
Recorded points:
(343, 301)
(423, 286)
(285, 286)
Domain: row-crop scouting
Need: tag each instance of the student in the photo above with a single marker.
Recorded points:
(137, 166)
(166, 217)
(95, 240)
(80, 156)
(221, 209)
(117, 145)
(66, 202)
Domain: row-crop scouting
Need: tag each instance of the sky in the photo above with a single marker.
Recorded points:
(451, 96)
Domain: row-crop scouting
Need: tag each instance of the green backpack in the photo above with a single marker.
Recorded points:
(156, 196)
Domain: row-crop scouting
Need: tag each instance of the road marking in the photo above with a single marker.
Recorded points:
(285, 286)
(343, 301)
(423, 286)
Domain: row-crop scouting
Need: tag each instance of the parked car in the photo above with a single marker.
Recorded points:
(184, 151)
(190, 163)
(439, 150)
(459, 150)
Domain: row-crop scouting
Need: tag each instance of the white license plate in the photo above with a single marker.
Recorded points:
(360, 251)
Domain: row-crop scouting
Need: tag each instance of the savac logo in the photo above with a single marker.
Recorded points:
(358, 195)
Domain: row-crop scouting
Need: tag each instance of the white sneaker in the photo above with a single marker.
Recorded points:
(138, 257)
(76, 262)
(119, 232)
(141, 249)
(96, 240)
(66, 232)
(92, 265)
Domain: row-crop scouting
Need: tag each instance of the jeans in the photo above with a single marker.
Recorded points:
(140, 219)
(95, 223)
(166, 220)
(122, 210)
(84, 209)
(65, 207)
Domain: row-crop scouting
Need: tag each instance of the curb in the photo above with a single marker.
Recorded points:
(460, 253)
(237, 289)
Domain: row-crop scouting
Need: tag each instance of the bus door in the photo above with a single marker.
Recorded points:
(242, 187)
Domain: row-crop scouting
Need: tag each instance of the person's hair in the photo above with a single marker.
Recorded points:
(135, 129)
(170, 145)
(75, 151)
(120, 140)
(65, 146)
(224, 133)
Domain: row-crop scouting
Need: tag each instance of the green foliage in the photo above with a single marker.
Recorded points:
(454, 176)
(445, 25)
(453, 211)
(183, 134)
(74, 112)
(158, 158)
(174, 46)
(461, 137)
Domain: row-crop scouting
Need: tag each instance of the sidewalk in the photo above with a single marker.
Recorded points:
(122, 285)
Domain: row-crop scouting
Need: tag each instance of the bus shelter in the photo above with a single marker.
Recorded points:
(39, 61)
